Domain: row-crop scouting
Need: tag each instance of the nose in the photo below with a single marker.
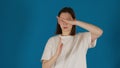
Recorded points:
(65, 23)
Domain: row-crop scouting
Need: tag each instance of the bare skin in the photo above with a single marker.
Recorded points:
(50, 62)
(66, 22)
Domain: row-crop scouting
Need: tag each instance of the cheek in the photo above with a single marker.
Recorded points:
(70, 26)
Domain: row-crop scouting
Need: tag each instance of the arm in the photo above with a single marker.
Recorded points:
(94, 30)
(49, 63)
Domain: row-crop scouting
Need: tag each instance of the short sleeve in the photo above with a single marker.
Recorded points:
(88, 37)
(47, 54)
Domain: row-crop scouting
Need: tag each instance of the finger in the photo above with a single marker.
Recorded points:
(61, 46)
(59, 43)
(57, 17)
(60, 38)
(66, 21)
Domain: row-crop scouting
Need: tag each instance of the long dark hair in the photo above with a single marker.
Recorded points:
(71, 12)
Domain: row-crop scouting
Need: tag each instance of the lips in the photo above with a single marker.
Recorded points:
(65, 27)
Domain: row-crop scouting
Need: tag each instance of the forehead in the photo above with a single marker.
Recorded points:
(65, 15)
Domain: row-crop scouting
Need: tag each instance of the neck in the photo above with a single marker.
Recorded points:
(66, 33)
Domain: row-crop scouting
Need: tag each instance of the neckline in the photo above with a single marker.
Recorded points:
(65, 36)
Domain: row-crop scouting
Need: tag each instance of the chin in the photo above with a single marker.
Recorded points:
(66, 30)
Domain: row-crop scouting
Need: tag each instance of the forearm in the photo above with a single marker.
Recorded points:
(91, 28)
(49, 63)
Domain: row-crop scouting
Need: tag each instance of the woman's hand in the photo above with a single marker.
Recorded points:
(59, 48)
(52, 60)
(72, 22)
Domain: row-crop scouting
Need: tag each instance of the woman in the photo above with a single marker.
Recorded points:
(68, 49)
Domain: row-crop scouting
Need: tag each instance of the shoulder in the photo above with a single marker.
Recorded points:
(52, 38)
(82, 34)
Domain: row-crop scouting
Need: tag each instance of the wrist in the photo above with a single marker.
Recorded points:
(76, 23)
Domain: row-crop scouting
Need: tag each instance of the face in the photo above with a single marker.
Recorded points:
(65, 26)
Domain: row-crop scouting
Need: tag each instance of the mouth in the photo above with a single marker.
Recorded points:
(65, 27)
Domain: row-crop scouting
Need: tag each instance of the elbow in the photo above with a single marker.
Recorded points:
(100, 32)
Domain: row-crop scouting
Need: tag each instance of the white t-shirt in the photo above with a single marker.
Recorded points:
(74, 50)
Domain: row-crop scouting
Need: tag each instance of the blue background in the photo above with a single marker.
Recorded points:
(26, 25)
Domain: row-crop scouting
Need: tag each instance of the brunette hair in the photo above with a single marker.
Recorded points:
(71, 12)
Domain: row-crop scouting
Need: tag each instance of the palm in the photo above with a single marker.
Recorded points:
(72, 22)
(69, 22)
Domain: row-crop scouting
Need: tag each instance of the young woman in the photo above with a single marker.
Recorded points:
(68, 49)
